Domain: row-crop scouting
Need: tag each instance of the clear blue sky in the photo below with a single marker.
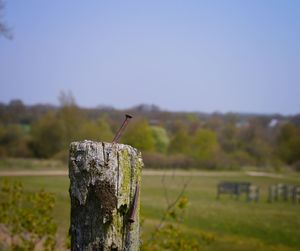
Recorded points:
(180, 55)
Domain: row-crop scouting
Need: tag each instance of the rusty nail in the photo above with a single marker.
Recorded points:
(122, 128)
(134, 205)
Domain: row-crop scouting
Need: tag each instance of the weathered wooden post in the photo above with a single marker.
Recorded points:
(104, 191)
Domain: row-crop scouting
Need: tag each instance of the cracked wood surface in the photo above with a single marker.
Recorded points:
(103, 179)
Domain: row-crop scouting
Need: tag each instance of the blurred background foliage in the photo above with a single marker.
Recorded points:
(26, 219)
(167, 139)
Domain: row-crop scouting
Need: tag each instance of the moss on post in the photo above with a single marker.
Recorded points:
(103, 178)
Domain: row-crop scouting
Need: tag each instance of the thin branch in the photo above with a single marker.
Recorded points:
(4, 30)
(169, 205)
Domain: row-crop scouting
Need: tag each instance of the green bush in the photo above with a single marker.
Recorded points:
(168, 234)
(27, 218)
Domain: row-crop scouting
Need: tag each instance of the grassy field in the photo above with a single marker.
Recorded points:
(17, 164)
(234, 225)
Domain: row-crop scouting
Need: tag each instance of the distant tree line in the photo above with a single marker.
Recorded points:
(167, 139)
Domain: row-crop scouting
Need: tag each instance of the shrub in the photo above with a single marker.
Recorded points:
(27, 218)
(168, 234)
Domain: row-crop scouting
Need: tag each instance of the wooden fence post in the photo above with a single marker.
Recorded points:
(104, 182)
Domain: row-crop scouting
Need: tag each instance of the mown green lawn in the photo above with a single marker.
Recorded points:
(232, 224)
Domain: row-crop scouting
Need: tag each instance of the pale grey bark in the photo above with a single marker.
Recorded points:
(103, 178)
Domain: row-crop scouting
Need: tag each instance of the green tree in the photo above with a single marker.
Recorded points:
(139, 135)
(161, 139)
(14, 141)
(70, 117)
(180, 142)
(97, 131)
(228, 138)
(289, 143)
(204, 145)
(47, 136)
(260, 150)
(254, 140)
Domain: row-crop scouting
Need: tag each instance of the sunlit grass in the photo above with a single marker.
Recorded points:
(234, 224)
(15, 164)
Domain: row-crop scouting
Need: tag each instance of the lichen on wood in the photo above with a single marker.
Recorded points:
(103, 178)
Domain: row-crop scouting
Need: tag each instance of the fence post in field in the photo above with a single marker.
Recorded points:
(104, 190)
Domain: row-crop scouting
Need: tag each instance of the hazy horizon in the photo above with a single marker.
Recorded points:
(181, 56)
(162, 109)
